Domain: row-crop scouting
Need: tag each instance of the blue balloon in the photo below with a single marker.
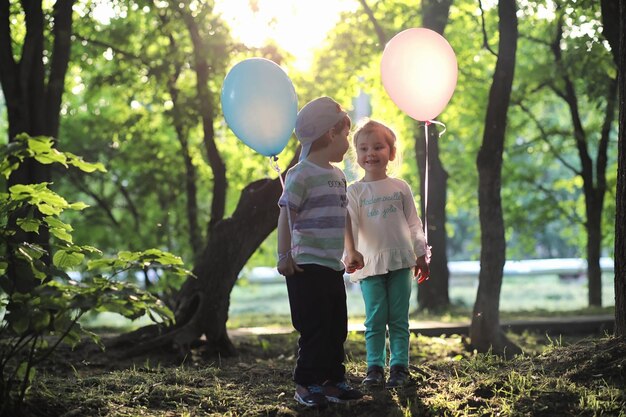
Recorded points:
(260, 105)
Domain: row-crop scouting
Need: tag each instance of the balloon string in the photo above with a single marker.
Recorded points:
(274, 164)
(426, 181)
(439, 124)
(426, 169)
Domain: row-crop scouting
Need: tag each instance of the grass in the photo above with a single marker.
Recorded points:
(521, 297)
(556, 376)
(568, 376)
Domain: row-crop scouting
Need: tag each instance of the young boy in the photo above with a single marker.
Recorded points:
(311, 227)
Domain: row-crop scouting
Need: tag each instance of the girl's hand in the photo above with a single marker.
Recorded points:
(422, 270)
(287, 266)
(353, 261)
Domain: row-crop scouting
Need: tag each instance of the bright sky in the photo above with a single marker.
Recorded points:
(297, 26)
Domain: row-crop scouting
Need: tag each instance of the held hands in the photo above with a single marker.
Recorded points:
(353, 261)
(422, 270)
(287, 266)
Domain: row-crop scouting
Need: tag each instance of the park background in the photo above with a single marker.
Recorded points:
(133, 86)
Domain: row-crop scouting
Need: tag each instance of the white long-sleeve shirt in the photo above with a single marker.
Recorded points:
(385, 225)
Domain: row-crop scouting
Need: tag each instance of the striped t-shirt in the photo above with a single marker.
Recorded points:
(318, 197)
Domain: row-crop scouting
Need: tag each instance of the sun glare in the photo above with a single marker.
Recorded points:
(297, 26)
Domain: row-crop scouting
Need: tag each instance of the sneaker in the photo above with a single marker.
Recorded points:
(311, 396)
(375, 376)
(341, 392)
(398, 377)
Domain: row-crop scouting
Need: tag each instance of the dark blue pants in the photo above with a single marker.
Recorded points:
(317, 298)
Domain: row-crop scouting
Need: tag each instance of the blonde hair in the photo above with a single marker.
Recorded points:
(367, 127)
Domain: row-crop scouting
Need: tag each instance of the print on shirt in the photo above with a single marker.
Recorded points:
(374, 212)
(343, 197)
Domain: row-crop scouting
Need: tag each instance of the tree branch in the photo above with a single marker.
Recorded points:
(484, 29)
(195, 237)
(8, 66)
(609, 116)
(101, 202)
(382, 38)
(545, 137)
(31, 71)
(138, 58)
(569, 95)
(205, 102)
(557, 203)
(62, 29)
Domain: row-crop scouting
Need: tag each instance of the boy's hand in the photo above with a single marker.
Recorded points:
(422, 270)
(353, 261)
(287, 266)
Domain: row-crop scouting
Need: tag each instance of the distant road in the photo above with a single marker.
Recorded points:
(563, 267)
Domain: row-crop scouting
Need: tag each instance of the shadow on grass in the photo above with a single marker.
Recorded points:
(557, 376)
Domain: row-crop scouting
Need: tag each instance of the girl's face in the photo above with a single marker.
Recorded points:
(373, 154)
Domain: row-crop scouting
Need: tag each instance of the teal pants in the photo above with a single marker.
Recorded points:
(387, 299)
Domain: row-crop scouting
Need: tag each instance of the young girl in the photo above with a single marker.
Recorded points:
(387, 231)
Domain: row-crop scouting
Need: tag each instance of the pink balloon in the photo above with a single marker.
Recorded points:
(419, 72)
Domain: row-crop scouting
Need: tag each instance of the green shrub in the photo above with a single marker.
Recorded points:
(35, 322)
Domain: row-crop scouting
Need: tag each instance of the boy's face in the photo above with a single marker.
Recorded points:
(339, 143)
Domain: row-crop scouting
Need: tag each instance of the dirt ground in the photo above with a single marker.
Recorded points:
(577, 376)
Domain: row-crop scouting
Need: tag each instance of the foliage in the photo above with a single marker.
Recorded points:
(542, 199)
(135, 71)
(34, 324)
(543, 158)
(121, 112)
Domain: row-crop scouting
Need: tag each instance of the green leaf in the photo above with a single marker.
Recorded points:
(21, 371)
(127, 256)
(20, 325)
(104, 264)
(61, 234)
(51, 157)
(165, 258)
(41, 320)
(29, 224)
(84, 166)
(6, 167)
(90, 249)
(48, 209)
(40, 144)
(73, 336)
(65, 259)
(78, 206)
(57, 223)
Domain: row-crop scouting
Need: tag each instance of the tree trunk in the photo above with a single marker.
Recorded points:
(203, 301)
(620, 216)
(434, 293)
(431, 294)
(33, 105)
(206, 299)
(435, 14)
(594, 241)
(594, 180)
(201, 307)
(485, 332)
